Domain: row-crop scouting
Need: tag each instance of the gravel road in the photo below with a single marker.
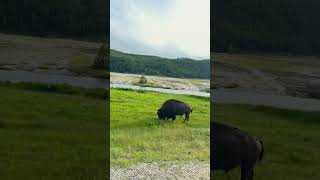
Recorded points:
(168, 171)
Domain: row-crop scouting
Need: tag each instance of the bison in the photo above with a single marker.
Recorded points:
(232, 147)
(173, 107)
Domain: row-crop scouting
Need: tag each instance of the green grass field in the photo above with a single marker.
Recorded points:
(59, 132)
(52, 132)
(291, 138)
(137, 135)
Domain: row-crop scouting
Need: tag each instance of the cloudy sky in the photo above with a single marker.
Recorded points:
(166, 28)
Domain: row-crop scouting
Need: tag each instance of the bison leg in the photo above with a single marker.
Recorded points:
(172, 117)
(187, 117)
(228, 175)
(250, 175)
(246, 172)
(211, 173)
(243, 173)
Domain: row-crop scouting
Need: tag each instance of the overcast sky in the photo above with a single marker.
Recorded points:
(166, 28)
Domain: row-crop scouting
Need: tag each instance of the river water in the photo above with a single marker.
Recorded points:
(219, 96)
(280, 101)
(85, 82)
(40, 77)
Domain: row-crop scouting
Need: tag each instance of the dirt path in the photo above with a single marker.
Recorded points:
(155, 171)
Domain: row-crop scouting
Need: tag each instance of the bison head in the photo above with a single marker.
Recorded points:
(160, 114)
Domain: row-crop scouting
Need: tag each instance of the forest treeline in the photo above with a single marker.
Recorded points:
(61, 18)
(291, 26)
(153, 65)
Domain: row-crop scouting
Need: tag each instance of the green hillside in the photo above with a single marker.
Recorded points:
(153, 65)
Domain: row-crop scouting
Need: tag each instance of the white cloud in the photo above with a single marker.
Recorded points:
(178, 28)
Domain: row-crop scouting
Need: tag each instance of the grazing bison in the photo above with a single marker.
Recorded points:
(173, 107)
(232, 147)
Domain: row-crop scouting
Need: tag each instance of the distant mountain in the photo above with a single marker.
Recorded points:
(153, 65)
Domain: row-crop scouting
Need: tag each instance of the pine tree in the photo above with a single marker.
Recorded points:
(101, 60)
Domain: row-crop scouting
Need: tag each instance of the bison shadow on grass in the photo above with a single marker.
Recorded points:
(232, 147)
(171, 108)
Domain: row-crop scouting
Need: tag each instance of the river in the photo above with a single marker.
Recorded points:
(219, 96)
(280, 101)
(85, 82)
(40, 77)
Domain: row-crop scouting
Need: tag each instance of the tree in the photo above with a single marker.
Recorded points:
(101, 59)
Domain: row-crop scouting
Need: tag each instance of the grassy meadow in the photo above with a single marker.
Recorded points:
(52, 132)
(138, 136)
(291, 140)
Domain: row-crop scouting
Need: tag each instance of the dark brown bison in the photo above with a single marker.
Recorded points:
(173, 107)
(232, 147)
